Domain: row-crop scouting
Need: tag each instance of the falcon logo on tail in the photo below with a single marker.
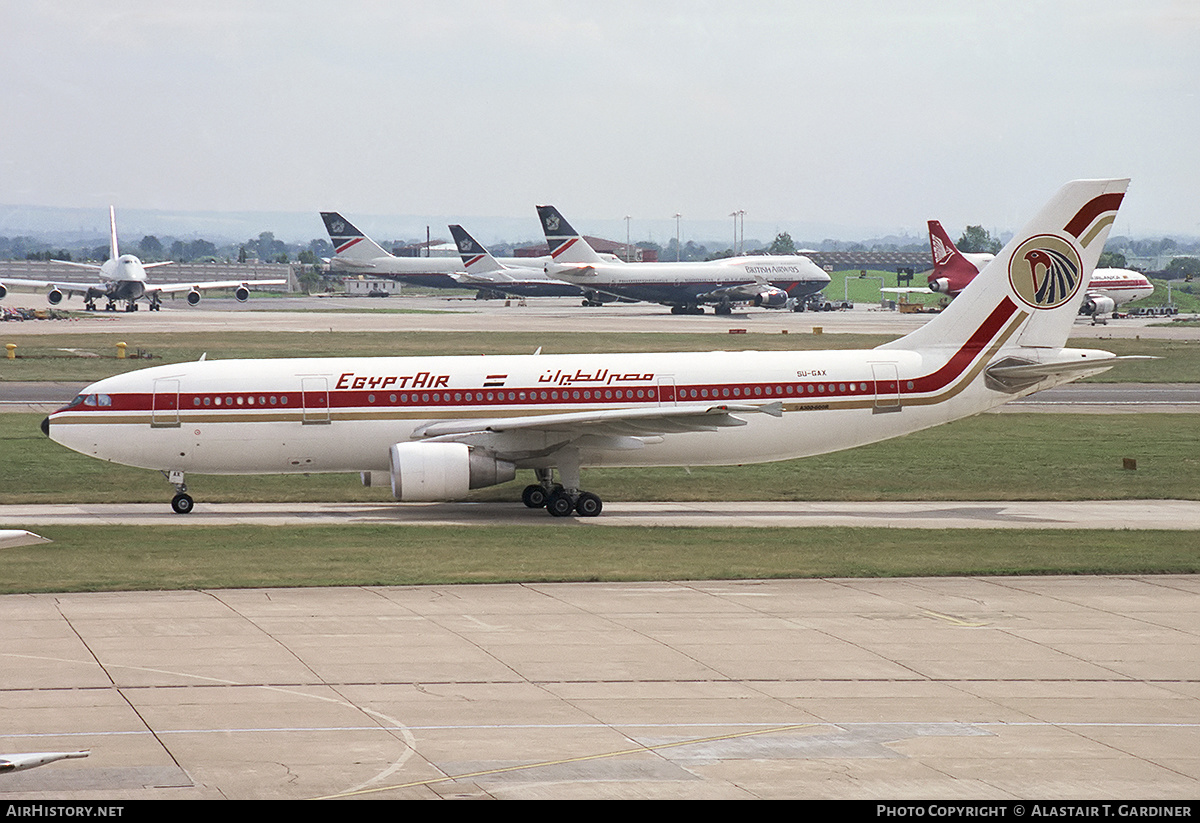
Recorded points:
(1045, 271)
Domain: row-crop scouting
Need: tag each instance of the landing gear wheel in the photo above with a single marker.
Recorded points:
(182, 504)
(588, 505)
(560, 505)
(534, 496)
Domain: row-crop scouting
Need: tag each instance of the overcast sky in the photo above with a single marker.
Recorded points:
(870, 116)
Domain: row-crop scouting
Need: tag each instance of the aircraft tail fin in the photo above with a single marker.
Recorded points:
(113, 252)
(1029, 294)
(476, 259)
(951, 270)
(348, 242)
(566, 244)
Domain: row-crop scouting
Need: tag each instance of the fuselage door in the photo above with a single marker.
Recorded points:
(164, 404)
(887, 387)
(315, 394)
(666, 391)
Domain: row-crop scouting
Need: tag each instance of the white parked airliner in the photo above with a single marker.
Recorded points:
(439, 426)
(123, 277)
(770, 281)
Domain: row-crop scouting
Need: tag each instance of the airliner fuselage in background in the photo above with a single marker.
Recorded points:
(437, 427)
(123, 278)
(770, 281)
(356, 252)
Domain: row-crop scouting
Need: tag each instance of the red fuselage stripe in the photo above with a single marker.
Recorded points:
(648, 393)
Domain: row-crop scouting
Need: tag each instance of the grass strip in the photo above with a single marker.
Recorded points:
(120, 558)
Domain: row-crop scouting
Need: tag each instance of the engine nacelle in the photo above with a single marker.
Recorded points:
(771, 298)
(1097, 305)
(55, 297)
(241, 294)
(3, 291)
(427, 472)
(941, 285)
(193, 297)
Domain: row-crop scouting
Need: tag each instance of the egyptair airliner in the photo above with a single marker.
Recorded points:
(123, 278)
(436, 427)
(953, 270)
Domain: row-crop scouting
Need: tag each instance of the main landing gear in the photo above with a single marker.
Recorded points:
(559, 500)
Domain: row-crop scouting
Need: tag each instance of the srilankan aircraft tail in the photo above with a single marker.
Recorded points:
(567, 246)
(349, 243)
(476, 259)
(1027, 297)
(952, 270)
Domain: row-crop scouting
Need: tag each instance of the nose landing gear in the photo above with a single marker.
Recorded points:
(182, 502)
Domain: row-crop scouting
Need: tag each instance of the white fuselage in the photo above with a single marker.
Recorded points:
(1120, 285)
(343, 414)
(684, 282)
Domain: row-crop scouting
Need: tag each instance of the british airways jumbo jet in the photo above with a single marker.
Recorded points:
(770, 281)
(440, 426)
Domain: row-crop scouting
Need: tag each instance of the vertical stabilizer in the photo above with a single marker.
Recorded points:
(952, 270)
(566, 245)
(348, 242)
(113, 252)
(1030, 293)
(476, 259)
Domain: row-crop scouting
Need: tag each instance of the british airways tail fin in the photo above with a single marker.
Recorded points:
(567, 246)
(1029, 294)
(476, 259)
(349, 243)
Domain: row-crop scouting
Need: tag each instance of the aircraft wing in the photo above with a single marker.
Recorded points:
(739, 291)
(576, 270)
(604, 429)
(172, 288)
(907, 290)
(65, 287)
(495, 278)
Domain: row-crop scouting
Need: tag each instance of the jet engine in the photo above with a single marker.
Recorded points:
(941, 285)
(3, 291)
(193, 297)
(426, 472)
(771, 298)
(55, 297)
(1096, 305)
(241, 294)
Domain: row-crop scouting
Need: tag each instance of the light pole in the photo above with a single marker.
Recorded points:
(627, 219)
(742, 214)
(733, 248)
(677, 216)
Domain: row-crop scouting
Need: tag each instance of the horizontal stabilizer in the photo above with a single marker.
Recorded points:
(1012, 375)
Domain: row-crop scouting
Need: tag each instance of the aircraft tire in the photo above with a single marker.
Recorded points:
(182, 504)
(588, 505)
(534, 496)
(560, 505)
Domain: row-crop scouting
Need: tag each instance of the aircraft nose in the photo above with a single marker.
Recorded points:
(46, 426)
